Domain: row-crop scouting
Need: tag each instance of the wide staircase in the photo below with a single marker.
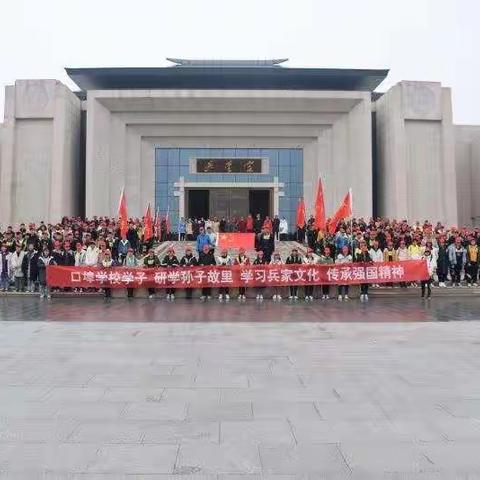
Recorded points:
(283, 247)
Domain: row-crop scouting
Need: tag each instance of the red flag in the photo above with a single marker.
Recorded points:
(236, 240)
(122, 214)
(344, 211)
(301, 213)
(320, 221)
(148, 225)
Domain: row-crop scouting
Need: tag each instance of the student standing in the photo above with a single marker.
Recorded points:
(431, 265)
(170, 261)
(206, 258)
(243, 260)
(343, 257)
(224, 260)
(309, 259)
(364, 257)
(294, 259)
(326, 259)
(260, 260)
(277, 291)
(188, 260)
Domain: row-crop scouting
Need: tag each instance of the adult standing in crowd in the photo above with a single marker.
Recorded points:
(283, 229)
(266, 243)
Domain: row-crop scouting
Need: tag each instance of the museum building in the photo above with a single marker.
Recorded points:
(228, 138)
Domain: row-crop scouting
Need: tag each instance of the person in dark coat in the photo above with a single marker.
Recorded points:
(276, 227)
(151, 261)
(257, 224)
(206, 258)
(442, 262)
(364, 257)
(30, 267)
(58, 254)
(188, 260)
(260, 260)
(43, 262)
(69, 255)
(132, 237)
(294, 259)
(170, 261)
(266, 243)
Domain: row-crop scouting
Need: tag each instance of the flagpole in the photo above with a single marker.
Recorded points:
(351, 222)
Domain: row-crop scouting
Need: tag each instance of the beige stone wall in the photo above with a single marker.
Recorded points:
(467, 160)
(416, 153)
(39, 152)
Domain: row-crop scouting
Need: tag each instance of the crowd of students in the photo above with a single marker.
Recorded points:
(451, 253)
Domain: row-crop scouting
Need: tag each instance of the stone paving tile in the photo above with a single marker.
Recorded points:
(133, 394)
(42, 457)
(91, 410)
(211, 411)
(156, 411)
(103, 432)
(204, 457)
(377, 458)
(36, 431)
(314, 459)
(139, 459)
(181, 433)
(256, 432)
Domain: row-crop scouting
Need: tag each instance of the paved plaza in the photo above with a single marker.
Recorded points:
(152, 391)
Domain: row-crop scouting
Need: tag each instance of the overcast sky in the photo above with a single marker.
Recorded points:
(416, 39)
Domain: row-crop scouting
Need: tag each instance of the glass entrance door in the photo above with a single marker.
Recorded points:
(229, 202)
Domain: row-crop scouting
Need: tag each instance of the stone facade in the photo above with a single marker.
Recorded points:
(39, 152)
(426, 168)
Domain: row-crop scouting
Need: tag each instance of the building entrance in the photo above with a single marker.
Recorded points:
(227, 202)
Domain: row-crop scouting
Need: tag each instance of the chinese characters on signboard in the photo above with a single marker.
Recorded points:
(229, 165)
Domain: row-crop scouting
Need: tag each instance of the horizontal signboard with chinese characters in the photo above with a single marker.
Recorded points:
(238, 275)
(229, 165)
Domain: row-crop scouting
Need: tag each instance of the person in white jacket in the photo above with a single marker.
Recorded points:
(376, 255)
(283, 228)
(16, 261)
(309, 259)
(431, 266)
(91, 255)
(343, 257)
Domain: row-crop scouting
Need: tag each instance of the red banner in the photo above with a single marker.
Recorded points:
(236, 240)
(238, 275)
